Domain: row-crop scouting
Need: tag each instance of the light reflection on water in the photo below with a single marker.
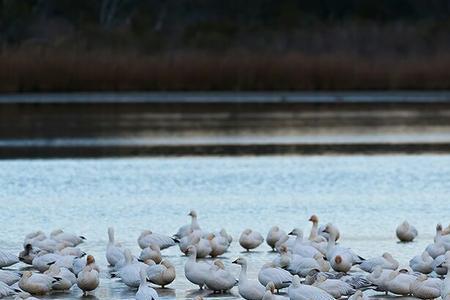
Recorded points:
(365, 196)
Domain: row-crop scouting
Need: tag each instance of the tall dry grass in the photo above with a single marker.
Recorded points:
(51, 71)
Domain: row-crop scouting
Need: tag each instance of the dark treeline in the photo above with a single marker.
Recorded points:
(375, 43)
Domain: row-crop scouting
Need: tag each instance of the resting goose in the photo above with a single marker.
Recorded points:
(301, 266)
(6, 290)
(7, 259)
(114, 253)
(129, 273)
(385, 261)
(406, 232)
(189, 228)
(70, 238)
(250, 239)
(195, 272)
(33, 237)
(28, 254)
(334, 287)
(88, 279)
(438, 267)
(144, 291)
(9, 277)
(399, 283)
(162, 274)
(274, 235)
(203, 246)
(422, 263)
(219, 279)
(302, 248)
(66, 278)
(148, 238)
(426, 288)
(43, 260)
(152, 252)
(441, 239)
(298, 291)
(219, 244)
(36, 284)
(445, 290)
(270, 273)
(379, 277)
(248, 289)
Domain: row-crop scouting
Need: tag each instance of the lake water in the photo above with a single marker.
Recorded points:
(365, 196)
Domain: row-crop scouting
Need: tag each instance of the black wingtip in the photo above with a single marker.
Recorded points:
(176, 240)
(51, 263)
(82, 237)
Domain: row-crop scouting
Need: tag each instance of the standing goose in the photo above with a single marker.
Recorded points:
(152, 252)
(250, 239)
(314, 235)
(422, 263)
(399, 283)
(274, 235)
(195, 272)
(406, 232)
(189, 228)
(88, 279)
(162, 274)
(385, 261)
(219, 279)
(279, 277)
(114, 253)
(334, 287)
(426, 288)
(248, 289)
(298, 291)
(7, 259)
(148, 238)
(145, 292)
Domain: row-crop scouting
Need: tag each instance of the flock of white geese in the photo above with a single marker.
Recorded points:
(313, 268)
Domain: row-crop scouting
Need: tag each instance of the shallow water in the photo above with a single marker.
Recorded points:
(365, 196)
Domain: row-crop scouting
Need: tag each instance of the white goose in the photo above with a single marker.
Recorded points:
(385, 261)
(426, 288)
(279, 277)
(189, 228)
(195, 272)
(298, 291)
(9, 277)
(203, 246)
(114, 253)
(300, 247)
(129, 273)
(248, 289)
(66, 278)
(314, 235)
(301, 266)
(219, 279)
(43, 261)
(162, 274)
(152, 252)
(438, 267)
(250, 239)
(33, 237)
(145, 292)
(88, 279)
(341, 259)
(148, 238)
(36, 284)
(406, 232)
(422, 263)
(334, 287)
(399, 283)
(7, 259)
(6, 290)
(270, 290)
(219, 244)
(274, 235)
(379, 277)
(71, 238)
(441, 239)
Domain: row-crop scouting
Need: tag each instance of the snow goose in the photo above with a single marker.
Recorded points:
(341, 259)
(445, 290)
(284, 258)
(435, 249)
(129, 273)
(250, 239)
(314, 234)
(162, 274)
(270, 273)
(440, 239)
(72, 251)
(298, 291)
(379, 277)
(27, 254)
(71, 238)
(66, 278)
(148, 238)
(152, 252)
(114, 253)
(43, 261)
(326, 235)
(426, 288)
(248, 289)
(438, 267)
(274, 235)
(7, 259)
(219, 279)
(406, 232)
(301, 266)
(300, 247)
(334, 287)
(6, 290)
(88, 279)
(145, 292)
(189, 228)
(386, 261)
(203, 246)
(358, 295)
(9, 277)
(422, 263)
(195, 272)
(36, 284)
(34, 237)
(399, 283)
(219, 244)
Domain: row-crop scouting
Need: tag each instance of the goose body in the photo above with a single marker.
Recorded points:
(426, 288)
(70, 238)
(406, 232)
(42, 262)
(9, 277)
(422, 263)
(399, 283)
(189, 228)
(7, 259)
(279, 277)
(219, 279)
(195, 272)
(438, 265)
(379, 277)
(151, 252)
(334, 287)
(298, 291)
(88, 279)
(130, 272)
(66, 278)
(274, 235)
(6, 290)
(250, 239)
(148, 238)
(162, 274)
(445, 289)
(301, 266)
(114, 253)
(144, 291)
(248, 289)
(386, 261)
(36, 284)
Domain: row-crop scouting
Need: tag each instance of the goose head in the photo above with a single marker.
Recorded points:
(438, 228)
(193, 214)
(146, 232)
(283, 249)
(314, 219)
(296, 232)
(247, 231)
(90, 260)
(270, 287)
(338, 259)
(240, 261)
(191, 251)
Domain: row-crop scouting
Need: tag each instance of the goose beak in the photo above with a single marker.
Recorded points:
(234, 261)
(291, 233)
